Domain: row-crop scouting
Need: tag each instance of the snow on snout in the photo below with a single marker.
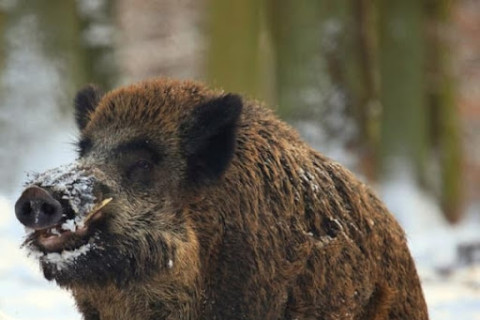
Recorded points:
(74, 184)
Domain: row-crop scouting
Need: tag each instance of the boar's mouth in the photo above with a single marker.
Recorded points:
(72, 232)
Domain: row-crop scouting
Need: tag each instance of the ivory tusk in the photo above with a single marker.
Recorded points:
(97, 208)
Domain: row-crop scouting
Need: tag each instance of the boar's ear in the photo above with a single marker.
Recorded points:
(208, 140)
(86, 101)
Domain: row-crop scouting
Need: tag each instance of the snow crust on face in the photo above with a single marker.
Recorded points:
(74, 184)
(69, 225)
(64, 258)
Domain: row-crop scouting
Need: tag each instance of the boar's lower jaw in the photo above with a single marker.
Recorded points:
(97, 262)
(65, 258)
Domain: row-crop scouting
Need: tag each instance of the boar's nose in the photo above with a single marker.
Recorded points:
(37, 209)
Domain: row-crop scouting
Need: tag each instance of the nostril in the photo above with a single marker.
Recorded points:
(26, 208)
(48, 209)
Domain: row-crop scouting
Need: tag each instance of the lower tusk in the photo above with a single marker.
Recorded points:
(97, 208)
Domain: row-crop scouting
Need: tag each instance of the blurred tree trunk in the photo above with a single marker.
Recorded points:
(340, 104)
(60, 29)
(3, 18)
(96, 48)
(3, 45)
(313, 53)
(66, 38)
(445, 131)
(401, 49)
(364, 83)
(296, 33)
(160, 38)
(326, 71)
(233, 58)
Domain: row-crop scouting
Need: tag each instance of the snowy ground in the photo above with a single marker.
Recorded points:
(451, 285)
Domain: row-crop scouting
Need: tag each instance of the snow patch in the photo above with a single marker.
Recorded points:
(69, 225)
(309, 178)
(73, 182)
(63, 259)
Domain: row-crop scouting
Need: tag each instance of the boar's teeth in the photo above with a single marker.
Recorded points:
(97, 208)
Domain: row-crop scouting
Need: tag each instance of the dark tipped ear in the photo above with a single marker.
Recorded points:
(208, 140)
(86, 101)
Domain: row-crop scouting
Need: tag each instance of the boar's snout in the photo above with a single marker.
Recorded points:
(37, 209)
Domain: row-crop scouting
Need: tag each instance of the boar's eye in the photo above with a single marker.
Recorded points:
(140, 171)
(138, 159)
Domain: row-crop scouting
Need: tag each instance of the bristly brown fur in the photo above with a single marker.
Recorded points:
(282, 233)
